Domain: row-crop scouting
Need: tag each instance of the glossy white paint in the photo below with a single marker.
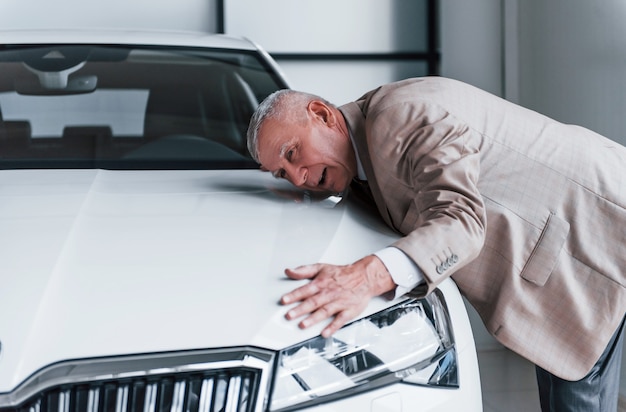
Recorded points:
(101, 262)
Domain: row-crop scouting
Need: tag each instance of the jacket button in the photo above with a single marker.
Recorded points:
(452, 260)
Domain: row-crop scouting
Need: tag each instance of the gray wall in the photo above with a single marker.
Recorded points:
(563, 58)
(573, 62)
(471, 42)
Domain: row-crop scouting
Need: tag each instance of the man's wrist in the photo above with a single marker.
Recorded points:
(379, 277)
(405, 274)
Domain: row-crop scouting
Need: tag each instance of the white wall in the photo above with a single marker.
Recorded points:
(335, 27)
(197, 15)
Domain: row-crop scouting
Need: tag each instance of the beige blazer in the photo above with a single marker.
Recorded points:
(527, 214)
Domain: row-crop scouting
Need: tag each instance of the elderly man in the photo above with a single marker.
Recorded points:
(525, 213)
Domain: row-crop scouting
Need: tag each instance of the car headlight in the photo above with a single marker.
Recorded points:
(411, 342)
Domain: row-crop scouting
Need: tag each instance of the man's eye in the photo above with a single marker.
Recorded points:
(281, 173)
(289, 154)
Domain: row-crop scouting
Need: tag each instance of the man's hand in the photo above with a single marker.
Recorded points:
(339, 291)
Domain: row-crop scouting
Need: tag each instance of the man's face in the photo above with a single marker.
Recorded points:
(315, 155)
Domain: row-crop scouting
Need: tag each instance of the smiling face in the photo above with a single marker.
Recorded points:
(315, 154)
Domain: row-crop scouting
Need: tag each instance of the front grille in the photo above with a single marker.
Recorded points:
(225, 391)
(197, 384)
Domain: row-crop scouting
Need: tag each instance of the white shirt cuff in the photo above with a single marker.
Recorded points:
(404, 272)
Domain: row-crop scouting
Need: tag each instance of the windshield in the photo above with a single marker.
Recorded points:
(128, 107)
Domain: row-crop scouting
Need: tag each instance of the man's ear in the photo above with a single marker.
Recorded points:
(320, 110)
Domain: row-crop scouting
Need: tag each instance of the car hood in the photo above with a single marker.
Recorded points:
(97, 262)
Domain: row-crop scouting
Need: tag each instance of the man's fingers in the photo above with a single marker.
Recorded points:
(300, 294)
(335, 292)
(303, 292)
(317, 305)
(304, 308)
(341, 319)
(303, 272)
(322, 313)
(311, 301)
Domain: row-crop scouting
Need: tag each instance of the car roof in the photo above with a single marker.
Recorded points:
(125, 37)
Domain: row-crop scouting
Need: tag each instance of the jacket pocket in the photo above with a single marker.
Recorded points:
(544, 256)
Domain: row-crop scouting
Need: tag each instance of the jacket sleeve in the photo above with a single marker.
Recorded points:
(427, 163)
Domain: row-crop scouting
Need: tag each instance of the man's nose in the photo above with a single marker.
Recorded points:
(298, 176)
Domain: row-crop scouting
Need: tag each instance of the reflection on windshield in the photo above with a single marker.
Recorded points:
(121, 110)
(113, 107)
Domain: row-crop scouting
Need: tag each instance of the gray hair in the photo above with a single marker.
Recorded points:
(285, 105)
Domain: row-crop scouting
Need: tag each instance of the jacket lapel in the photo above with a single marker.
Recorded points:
(356, 124)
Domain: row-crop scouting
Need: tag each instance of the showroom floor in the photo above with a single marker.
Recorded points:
(508, 382)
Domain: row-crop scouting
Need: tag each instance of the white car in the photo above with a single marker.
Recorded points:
(142, 251)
